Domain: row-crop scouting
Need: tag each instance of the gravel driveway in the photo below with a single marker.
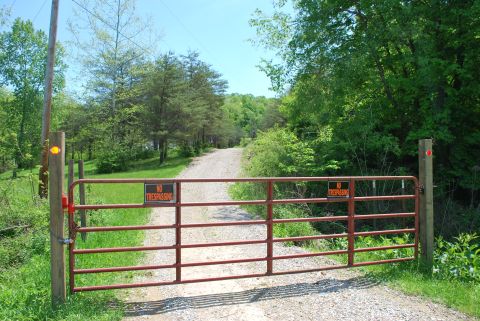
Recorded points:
(333, 295)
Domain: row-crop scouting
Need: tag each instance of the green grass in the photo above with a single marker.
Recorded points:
(25, 289)
(409, 278)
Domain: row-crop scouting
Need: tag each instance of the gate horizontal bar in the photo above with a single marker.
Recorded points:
(393, 215)
(310, 219)
(381, 248)
(213, 224)
(406, 230)
(384, 198)
(158, 227)
(311, 237)
(196, 245)
(142, 205)
(123, 268)
(123, 228)
(403, 259)
(123, 249)
(166, 266)
(304, 255)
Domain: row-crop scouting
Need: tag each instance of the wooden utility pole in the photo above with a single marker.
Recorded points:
(47, 100)
(56, 171)
(425, 169)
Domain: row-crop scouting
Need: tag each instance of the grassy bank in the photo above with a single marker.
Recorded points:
(25, 282)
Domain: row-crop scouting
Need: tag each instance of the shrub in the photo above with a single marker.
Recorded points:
(113, 160)
(186, 150)
(23, 222)
(458, 260)
(278, 152)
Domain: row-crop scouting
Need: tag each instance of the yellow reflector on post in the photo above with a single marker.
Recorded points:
(55, 150)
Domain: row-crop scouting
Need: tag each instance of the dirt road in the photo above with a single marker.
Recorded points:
(335, 295)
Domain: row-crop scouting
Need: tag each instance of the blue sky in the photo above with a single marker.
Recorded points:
(217, 29)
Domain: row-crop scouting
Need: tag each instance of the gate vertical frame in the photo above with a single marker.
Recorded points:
(351, 223)
(178, 232)
(83, 213)
(269, 228)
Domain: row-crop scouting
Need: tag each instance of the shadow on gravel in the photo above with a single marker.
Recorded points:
(322, 287)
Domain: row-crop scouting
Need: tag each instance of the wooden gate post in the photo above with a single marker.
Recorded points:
(56, 171)
(425, 168)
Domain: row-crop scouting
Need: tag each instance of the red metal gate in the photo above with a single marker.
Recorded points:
(269, 221)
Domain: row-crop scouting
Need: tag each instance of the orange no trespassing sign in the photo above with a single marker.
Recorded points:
(160, 193)
(338, 189)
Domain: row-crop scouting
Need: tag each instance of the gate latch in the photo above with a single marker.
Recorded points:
(64, 201)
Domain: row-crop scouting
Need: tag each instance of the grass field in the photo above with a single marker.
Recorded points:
(25, 289)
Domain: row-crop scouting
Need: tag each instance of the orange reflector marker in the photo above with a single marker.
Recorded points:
(55, 150)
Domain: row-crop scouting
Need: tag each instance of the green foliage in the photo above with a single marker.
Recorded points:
(459, 260)
(376, 77)
(23, 222)
(278, 152)
(113, 160)
(23, 52)
(291, 229)
(248, 115)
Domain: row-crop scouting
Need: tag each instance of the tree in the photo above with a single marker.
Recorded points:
(205, 98)
(22, 65)
(113, 61)
(363, 81)
(110, 53)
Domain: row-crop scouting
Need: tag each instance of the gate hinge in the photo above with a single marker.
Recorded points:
(421, 189)
(65, 241)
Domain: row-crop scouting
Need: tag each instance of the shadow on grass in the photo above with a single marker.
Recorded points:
(322, 287)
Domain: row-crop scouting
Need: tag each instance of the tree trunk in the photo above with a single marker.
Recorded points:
(161, 150)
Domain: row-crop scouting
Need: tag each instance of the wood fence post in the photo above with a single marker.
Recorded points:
(56, 171)
(425, 169)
